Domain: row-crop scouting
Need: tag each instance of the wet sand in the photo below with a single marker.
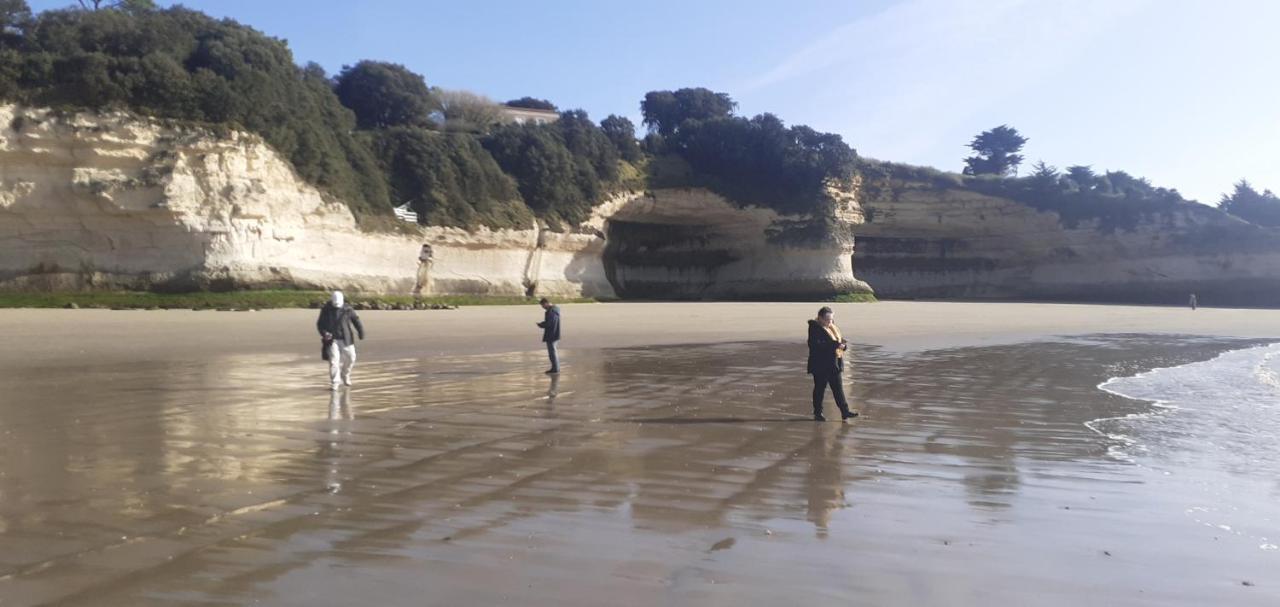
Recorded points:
(195, 458)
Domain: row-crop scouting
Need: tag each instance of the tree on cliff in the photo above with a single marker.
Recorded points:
(181, 64)
(125, 5)
(15, 17)
(665, 111)
(385, 95)
(1248, 204)
(588, 143)
(552, 182)
(1043, 178)
(533, 104)
(1082, 177)
(448, 179)
(761, 161)
(468, 111)
(996, 152)
(622, 132)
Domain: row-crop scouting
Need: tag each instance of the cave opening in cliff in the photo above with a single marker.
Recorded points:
(668, 259)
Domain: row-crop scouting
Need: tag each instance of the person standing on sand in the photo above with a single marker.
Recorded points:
(338, 326)
(827, 348)
(1194, 303)
(551, 333)
(425, 259)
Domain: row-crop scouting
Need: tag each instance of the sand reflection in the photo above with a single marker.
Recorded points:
(643, 474)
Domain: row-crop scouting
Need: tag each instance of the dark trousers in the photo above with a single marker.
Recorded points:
(835, 380)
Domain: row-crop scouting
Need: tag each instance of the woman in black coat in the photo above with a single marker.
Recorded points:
(827, 348)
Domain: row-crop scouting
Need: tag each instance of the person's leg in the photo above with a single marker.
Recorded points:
(348, 361)
(335, 361)
(554, 356)
(819, 387)
(837, 392)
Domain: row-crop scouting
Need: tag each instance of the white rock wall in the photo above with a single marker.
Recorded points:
(94, 201)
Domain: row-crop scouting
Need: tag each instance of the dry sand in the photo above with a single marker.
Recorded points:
(195, 458)
(60, 336)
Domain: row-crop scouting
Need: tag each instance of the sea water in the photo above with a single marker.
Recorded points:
(1213, 432)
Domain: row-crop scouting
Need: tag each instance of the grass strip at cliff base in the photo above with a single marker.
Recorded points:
(251, 300)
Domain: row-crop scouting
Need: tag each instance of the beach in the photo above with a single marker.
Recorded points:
(183, 457)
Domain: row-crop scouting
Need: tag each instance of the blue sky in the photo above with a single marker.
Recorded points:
(1184, 92)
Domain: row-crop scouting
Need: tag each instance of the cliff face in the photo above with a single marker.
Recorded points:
(932, 242)
(111, 201)
(114, 201)
(692, 244)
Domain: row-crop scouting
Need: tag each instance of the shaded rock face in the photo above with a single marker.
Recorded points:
(112, 201)
(951, 243)
(693, 244)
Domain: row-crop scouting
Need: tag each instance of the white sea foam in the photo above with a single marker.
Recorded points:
(1213, 426)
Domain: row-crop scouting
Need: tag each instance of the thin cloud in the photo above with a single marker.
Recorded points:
(898, 81)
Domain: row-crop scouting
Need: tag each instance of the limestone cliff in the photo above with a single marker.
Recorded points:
(928, 241)
(691, 243)
(116, 201)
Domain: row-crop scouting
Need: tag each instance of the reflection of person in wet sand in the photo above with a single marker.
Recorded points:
(824, 481)
(554, 389)
(425, 259)
(339, 325)
(827, 348)
(331, 450)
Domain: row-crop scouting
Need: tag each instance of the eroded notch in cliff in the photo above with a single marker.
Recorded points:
(667, 260)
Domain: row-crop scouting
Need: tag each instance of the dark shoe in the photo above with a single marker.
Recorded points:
(817, 417)
(844, 417)
(553, 371)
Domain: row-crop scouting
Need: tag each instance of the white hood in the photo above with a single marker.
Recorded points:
(338, 300)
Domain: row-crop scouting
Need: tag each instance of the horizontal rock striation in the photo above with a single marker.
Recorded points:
(953, 243)
(693, 244)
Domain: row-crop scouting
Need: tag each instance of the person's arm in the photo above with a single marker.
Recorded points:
(355, 320)
(320, 322)
(553, 322)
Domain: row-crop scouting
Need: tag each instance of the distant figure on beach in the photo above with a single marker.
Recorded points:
(827, 348)
(1194, 304)
(551, 333)
(425, 259)
(339, 325)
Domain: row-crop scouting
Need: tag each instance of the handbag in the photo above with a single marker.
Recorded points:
(325, 342)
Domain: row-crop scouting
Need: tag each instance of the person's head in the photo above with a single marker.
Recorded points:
(545, 303)
(426, 248)
(825, 315)
(338, 300)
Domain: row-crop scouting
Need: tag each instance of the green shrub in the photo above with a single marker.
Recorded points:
(182, 64)
(449, 179)
(759, 161)
(1248, 204)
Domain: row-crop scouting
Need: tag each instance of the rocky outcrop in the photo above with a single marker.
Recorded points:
(101, 201)
(693, 244)
(112, 201)
(928, 241)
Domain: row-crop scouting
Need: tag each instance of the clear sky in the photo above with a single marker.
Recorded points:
(1184, 92)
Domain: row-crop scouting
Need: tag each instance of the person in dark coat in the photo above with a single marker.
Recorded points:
(339, 325)
(551, 333)
(827, 348)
